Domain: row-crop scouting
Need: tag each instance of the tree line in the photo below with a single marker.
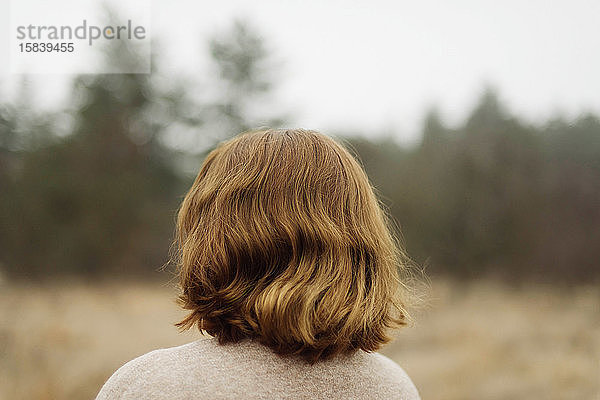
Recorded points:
(496, 196)
(92, 190)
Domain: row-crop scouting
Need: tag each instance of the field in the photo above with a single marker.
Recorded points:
(472, 341)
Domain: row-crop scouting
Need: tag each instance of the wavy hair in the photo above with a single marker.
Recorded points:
(281, 239)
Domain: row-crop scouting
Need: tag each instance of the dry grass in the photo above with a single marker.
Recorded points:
(486, 341)
(476, 341)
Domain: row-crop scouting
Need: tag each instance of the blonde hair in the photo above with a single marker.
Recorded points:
(282, 239)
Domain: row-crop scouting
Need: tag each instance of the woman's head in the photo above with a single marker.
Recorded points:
(282, 239)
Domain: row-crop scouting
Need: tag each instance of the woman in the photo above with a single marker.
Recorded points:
(287, 262)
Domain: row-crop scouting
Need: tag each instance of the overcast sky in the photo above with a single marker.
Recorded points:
(373, 65)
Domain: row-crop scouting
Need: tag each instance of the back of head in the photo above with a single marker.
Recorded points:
(281, 239)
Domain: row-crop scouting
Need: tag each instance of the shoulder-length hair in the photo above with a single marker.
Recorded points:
(281, 239)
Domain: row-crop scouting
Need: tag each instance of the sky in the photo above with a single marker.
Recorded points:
(377, 66)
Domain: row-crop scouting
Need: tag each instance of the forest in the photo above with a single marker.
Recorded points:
(92, 190)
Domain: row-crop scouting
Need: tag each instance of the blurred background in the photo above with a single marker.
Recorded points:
(477, 122)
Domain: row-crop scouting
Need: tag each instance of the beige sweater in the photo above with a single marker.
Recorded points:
(248, 370)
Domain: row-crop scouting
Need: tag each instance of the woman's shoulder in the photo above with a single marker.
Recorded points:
(143, 374)
(384, 374)
(387, 366)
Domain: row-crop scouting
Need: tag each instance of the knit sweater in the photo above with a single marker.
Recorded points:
(248, 370)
